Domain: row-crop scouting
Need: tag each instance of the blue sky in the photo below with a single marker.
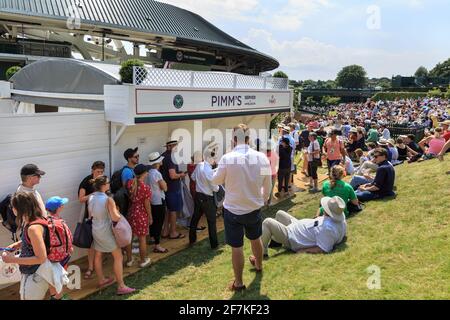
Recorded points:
(314, 39)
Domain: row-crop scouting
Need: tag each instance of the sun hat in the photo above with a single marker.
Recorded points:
(353, 130)
(287, 128)
(171, 143)
(391, 142)
(383, 142)
(154, 158)
(446, 123)
(54, 203)
(334, 207)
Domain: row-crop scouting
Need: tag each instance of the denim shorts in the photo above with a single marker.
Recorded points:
(238, 225)
(174, 201)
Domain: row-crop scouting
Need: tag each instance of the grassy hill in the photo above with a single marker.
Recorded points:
(407, 238)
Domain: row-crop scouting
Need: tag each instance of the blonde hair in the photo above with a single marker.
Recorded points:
(336, 174)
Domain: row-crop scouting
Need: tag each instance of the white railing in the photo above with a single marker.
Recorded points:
(151, 77)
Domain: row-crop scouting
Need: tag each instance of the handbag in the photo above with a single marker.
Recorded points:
(122, 232)
(353, 209)
(9, 273)
(82, 237)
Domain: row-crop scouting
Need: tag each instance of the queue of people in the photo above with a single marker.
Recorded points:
(149, 197)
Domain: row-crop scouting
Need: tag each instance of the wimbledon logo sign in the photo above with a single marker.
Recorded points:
(178, 101)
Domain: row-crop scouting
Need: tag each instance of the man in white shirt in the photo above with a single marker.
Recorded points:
(314, 236)
(31, 177)
(204, 200)
(246, 175)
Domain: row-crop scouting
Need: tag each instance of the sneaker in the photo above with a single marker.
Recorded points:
(129, 264)
(146, 263)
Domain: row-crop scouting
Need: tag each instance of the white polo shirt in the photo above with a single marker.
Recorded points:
(247, 177)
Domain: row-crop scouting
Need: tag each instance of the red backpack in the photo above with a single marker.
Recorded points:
(58, 239)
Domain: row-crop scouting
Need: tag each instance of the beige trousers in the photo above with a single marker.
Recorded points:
(277, 230)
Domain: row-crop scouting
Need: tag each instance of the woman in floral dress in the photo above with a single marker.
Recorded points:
(140, 214)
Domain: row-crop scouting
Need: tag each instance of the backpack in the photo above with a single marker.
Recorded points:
(122, 199)
(116, 180)
(8, 217)
(58, 239)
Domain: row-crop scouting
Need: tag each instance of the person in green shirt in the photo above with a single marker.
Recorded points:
(373, 134)
(336, 187)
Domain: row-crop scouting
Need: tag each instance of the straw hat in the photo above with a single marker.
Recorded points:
(154, 158)
(334, 207)
(391, 142)
(446, 123)
(383, 142)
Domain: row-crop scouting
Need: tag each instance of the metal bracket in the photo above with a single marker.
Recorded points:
(117, 135)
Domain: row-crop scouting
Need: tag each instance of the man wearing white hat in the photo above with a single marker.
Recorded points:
(174, 200)
(319, 235)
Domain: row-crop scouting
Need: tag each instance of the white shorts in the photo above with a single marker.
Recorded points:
(33, 287)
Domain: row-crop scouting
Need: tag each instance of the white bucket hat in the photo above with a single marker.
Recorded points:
(154, 158)
(334, 207)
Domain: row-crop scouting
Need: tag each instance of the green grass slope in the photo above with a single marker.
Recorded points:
(407, 238)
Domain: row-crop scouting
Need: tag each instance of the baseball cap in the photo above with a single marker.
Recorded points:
(129, 153)
(54, 203)
(31, 170)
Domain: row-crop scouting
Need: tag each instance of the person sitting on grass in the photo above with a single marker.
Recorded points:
(337, 187)
(435, 144)
(383, 184)
(402, 149)
(315, 236)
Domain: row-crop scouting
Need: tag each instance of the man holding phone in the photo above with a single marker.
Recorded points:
(174, 199)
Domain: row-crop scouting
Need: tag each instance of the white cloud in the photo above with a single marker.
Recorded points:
(213, 9)
(286, 15)
(309, 58)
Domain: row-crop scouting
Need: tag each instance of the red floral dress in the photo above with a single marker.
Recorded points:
(137, 215)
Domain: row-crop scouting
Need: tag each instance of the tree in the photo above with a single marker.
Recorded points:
(352, 77)
(310, 100)
(12, 71)
(280, 74)
(422, 72)
(442, 70)
(331, 101)
(435, 93)
(126, 70)
(447, 94)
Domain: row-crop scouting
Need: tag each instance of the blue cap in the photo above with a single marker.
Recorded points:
(54, 203)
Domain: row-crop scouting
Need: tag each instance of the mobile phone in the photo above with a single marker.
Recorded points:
(7, 249)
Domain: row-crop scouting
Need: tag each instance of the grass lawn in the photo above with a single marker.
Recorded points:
(407, 238)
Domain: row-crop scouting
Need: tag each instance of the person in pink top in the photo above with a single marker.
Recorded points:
(435, 144)
(334, 149)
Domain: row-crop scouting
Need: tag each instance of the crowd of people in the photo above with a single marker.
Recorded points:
(409, 113)
(148, 194)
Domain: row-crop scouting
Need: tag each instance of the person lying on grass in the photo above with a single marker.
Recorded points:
(314, 236)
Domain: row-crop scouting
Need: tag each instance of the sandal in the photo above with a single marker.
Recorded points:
(125, 291)
(160, 251)
(105, 283)
(88, 275)
(233, 287)
(180, 236)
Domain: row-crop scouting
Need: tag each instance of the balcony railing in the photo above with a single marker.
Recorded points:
(153, 77)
